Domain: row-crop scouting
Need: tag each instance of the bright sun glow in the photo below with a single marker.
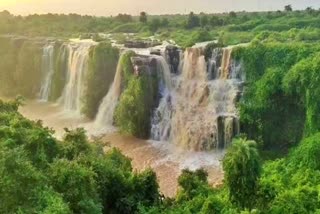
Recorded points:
(6, 3)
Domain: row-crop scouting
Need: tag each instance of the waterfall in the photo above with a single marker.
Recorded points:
(225, 66)
(190, 122)
(47, 71)
(198, 110)
(109, 103)
(161, 119)
(196, 106)
(77, 67)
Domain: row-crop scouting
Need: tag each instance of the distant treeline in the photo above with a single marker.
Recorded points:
(184, 29)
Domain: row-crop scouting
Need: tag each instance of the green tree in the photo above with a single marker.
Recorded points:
(146, 188)
(306, 155)
(154, 24)
(204, 20)
(233, 14)
(288, 8)
(165, 22)
(18, 180)
(310, 10)
(77, 184)
(75, 143)
(296, 200)
(242, 168)
(143, 17)
(216, 21)
(193, 21)
(191, 183)
(125, 18)
(133, 112)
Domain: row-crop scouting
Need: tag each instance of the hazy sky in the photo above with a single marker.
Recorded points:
(112, 7)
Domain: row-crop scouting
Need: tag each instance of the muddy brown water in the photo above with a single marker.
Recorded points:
(164, 158)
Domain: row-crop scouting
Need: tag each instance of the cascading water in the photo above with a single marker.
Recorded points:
(47, 71)
(77, 67)
(161, 120)
(108, 105)
(199, 111)
(106, 110)
(197, 101)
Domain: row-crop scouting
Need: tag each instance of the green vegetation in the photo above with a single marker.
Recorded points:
(231, 28)
(60, 71)
(135, 107)
(39, 174)
(288, 185)
(242, 170)
(103, 60)
(276, 109)
(8, 54)
(28, 70)
(136, 103)
(20, 67)
(279, 110)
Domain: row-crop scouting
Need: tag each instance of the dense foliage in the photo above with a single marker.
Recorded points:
(276, 108)
(287, 185)
(137, 100)
(242, 170)
(42, 174)
(231, 28)
(20, 67)
(279, 110)
(39, 174)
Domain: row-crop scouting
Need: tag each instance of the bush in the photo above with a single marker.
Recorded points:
(269, 111)
(39, 174)
(134, 110)
(242, 168)
(307, 153)
(127, 28)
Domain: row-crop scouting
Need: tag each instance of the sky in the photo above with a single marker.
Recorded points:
(134, 7)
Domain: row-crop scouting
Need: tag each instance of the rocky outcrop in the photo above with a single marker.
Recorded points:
(144, 65)
(173, 57)
(155, 52)
(141, 44)
(228, 127)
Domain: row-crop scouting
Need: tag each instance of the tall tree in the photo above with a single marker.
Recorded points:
(233, 14)
(193, 21)
(154, 24)
(124, 17)
(310, 10)
(288, 8)
(143, 17)
(242, 170)
(204, 20)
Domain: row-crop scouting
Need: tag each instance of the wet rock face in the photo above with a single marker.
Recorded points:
(141, 44)
(144, 65)
(228, 127)
(214, 63)
(155, 52)
(173, 56)
(204, 115)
